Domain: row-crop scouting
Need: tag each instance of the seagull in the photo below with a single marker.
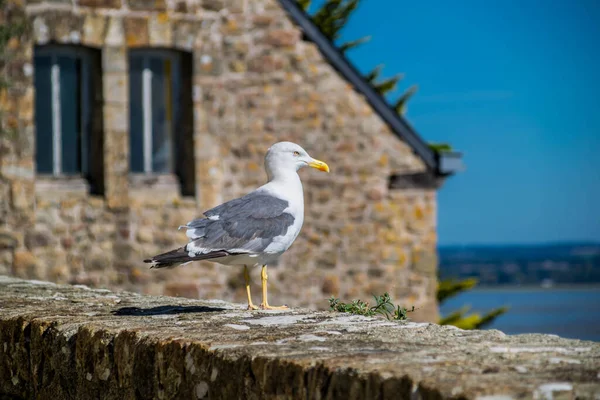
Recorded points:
(255, 229)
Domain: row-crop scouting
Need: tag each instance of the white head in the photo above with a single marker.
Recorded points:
(285, 157)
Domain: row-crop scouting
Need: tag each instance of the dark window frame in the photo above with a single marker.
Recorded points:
(87, 162)
(142, 108)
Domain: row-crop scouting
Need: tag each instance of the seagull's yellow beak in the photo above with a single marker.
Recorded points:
(320, 165)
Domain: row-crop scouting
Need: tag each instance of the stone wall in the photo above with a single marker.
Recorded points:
(65, 342)
(255, 82)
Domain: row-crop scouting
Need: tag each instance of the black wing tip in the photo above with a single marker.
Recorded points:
(155, 264)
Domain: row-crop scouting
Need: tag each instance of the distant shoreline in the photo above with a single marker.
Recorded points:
(558, 243)
(556, 286)
(556, 265)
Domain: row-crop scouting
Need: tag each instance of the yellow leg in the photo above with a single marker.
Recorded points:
(265, 304)
(247, 279)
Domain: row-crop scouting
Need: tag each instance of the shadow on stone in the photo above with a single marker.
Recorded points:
(9, 397)
(165, 310)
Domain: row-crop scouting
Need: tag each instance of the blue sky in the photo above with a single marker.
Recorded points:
(515, 86)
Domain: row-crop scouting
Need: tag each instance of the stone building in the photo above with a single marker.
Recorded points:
(123, 119)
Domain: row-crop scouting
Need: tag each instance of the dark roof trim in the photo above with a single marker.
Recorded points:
(335, 57)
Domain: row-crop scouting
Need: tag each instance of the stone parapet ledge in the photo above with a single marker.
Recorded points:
(72, 342)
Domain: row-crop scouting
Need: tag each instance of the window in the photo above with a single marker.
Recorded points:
(161, 114)
(67, 139)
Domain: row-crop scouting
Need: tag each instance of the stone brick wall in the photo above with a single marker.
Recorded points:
(255, 82)
(73, 342)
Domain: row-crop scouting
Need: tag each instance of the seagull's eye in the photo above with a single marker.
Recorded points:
(296, 154)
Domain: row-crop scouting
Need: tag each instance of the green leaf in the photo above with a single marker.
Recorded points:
(353, 43)
(400, 104)
(387, 85)
(440, 147)
(324, 18)
(460, 319)
(450, 287)
(372, 76)
(332, 17)
(400, 313)
(304, 4)
(454, 317)
(490, 317)
(468, 322)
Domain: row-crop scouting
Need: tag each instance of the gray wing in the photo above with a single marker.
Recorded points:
(244, 225)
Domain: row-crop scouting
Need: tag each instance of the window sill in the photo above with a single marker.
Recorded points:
(153, 181)
(61, 185)
(157, 189)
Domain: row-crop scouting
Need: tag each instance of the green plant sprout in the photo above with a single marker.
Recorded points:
(440, 147)
(383, 306)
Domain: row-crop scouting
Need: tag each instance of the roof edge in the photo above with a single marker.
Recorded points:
(335, 57)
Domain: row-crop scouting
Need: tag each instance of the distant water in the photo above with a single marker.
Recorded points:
(572, 312)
